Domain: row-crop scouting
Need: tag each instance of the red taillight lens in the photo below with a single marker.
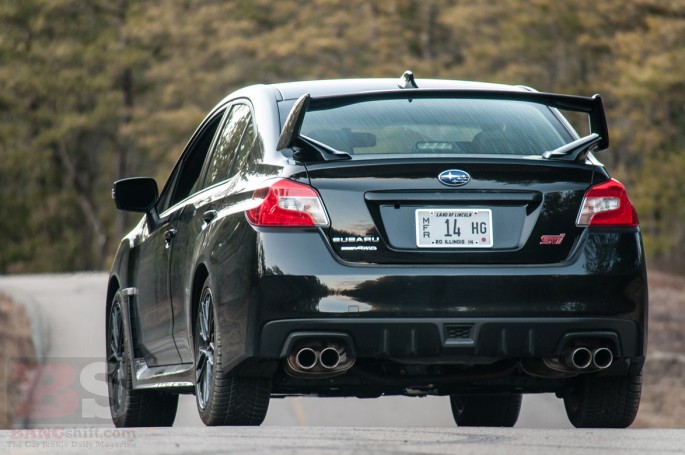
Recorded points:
(607, 204)
(287, 203)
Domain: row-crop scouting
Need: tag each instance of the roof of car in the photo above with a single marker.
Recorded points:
(293, 90)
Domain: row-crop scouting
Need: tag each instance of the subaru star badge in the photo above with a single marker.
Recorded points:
(454, 177)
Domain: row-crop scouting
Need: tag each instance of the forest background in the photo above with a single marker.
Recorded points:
(92, 91)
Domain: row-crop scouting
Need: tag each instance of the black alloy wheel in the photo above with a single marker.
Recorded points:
(221, 399)
(128, 407)
(116, 367)
(206, 342)
(486, 409)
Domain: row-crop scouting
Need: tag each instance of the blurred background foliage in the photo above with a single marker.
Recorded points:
(98, 90)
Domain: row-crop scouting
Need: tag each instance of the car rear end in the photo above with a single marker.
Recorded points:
(458, 242)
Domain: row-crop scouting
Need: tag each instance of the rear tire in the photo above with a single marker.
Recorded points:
(223, 400)
(603, 401)
(486, 409)
(128, 407)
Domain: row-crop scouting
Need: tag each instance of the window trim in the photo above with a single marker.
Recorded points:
(229, 107)
(172, 182)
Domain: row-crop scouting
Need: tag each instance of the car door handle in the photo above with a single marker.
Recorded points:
(169, 235)
(209, 215)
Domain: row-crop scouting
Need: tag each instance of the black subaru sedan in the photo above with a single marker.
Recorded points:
(378, 237)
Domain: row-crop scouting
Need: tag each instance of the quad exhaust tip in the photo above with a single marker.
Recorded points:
(329, 358)
(317, 358)
(579, 358)
(602, 358)
(306, 358)
(582, 358)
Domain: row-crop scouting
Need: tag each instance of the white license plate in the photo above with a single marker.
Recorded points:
(454, 228)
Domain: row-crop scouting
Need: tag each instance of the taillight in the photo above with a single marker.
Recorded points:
(287, 203)
(607, 204)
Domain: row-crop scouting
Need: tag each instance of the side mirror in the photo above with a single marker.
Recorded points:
(137, 194)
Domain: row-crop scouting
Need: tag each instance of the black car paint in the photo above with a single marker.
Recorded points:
(519, 191)
(264, 277)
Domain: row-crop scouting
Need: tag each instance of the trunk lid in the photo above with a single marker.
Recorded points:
(525, 209)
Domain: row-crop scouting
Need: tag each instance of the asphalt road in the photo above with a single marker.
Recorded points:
(69, 410)
(343, 440)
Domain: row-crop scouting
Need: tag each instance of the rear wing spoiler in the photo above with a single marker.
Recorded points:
(592, 106)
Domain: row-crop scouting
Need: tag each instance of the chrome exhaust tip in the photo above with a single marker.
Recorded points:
(329, 358)
(318, 358)
(306, 358)
(579, 358)
(602, 358)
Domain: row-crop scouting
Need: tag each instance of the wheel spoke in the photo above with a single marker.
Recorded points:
(210, 354)
(120, 387)
(201, 365)
(112, 365)
(203, 391)
(203, 322)
(207, 383)
(116, 320)
(206, 319)
(200, 370)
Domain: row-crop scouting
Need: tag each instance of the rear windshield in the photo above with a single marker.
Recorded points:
(436, 126)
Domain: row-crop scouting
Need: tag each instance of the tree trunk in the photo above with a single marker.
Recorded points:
(86, 204)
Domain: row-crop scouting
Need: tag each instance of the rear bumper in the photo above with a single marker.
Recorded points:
(411, 339)
(405, 313)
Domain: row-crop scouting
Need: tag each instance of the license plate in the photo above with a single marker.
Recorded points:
(454, 228)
